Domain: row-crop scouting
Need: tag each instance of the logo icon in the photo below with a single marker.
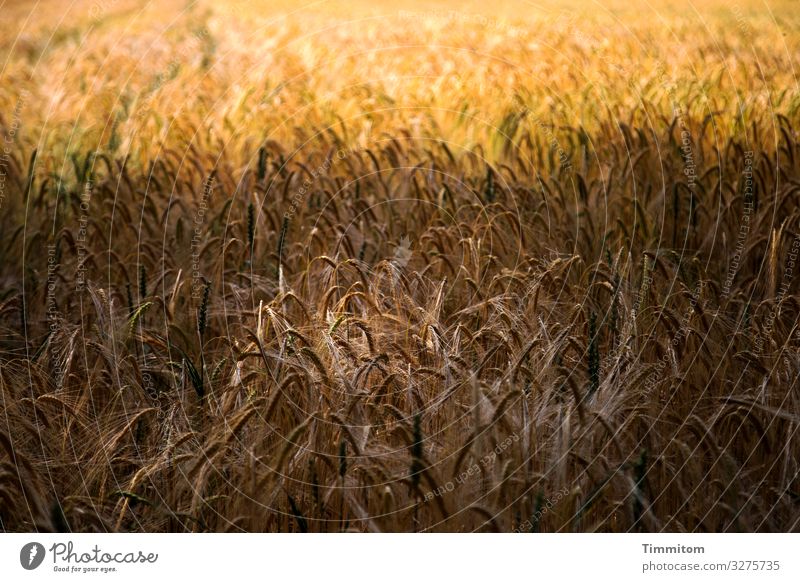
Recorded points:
(31, 555)
(402, 253)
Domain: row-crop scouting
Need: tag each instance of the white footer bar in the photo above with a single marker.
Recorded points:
(400, 557)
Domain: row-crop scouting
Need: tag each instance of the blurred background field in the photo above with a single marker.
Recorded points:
(111, 73)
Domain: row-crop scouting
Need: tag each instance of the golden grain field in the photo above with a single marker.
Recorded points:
(438, 267)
